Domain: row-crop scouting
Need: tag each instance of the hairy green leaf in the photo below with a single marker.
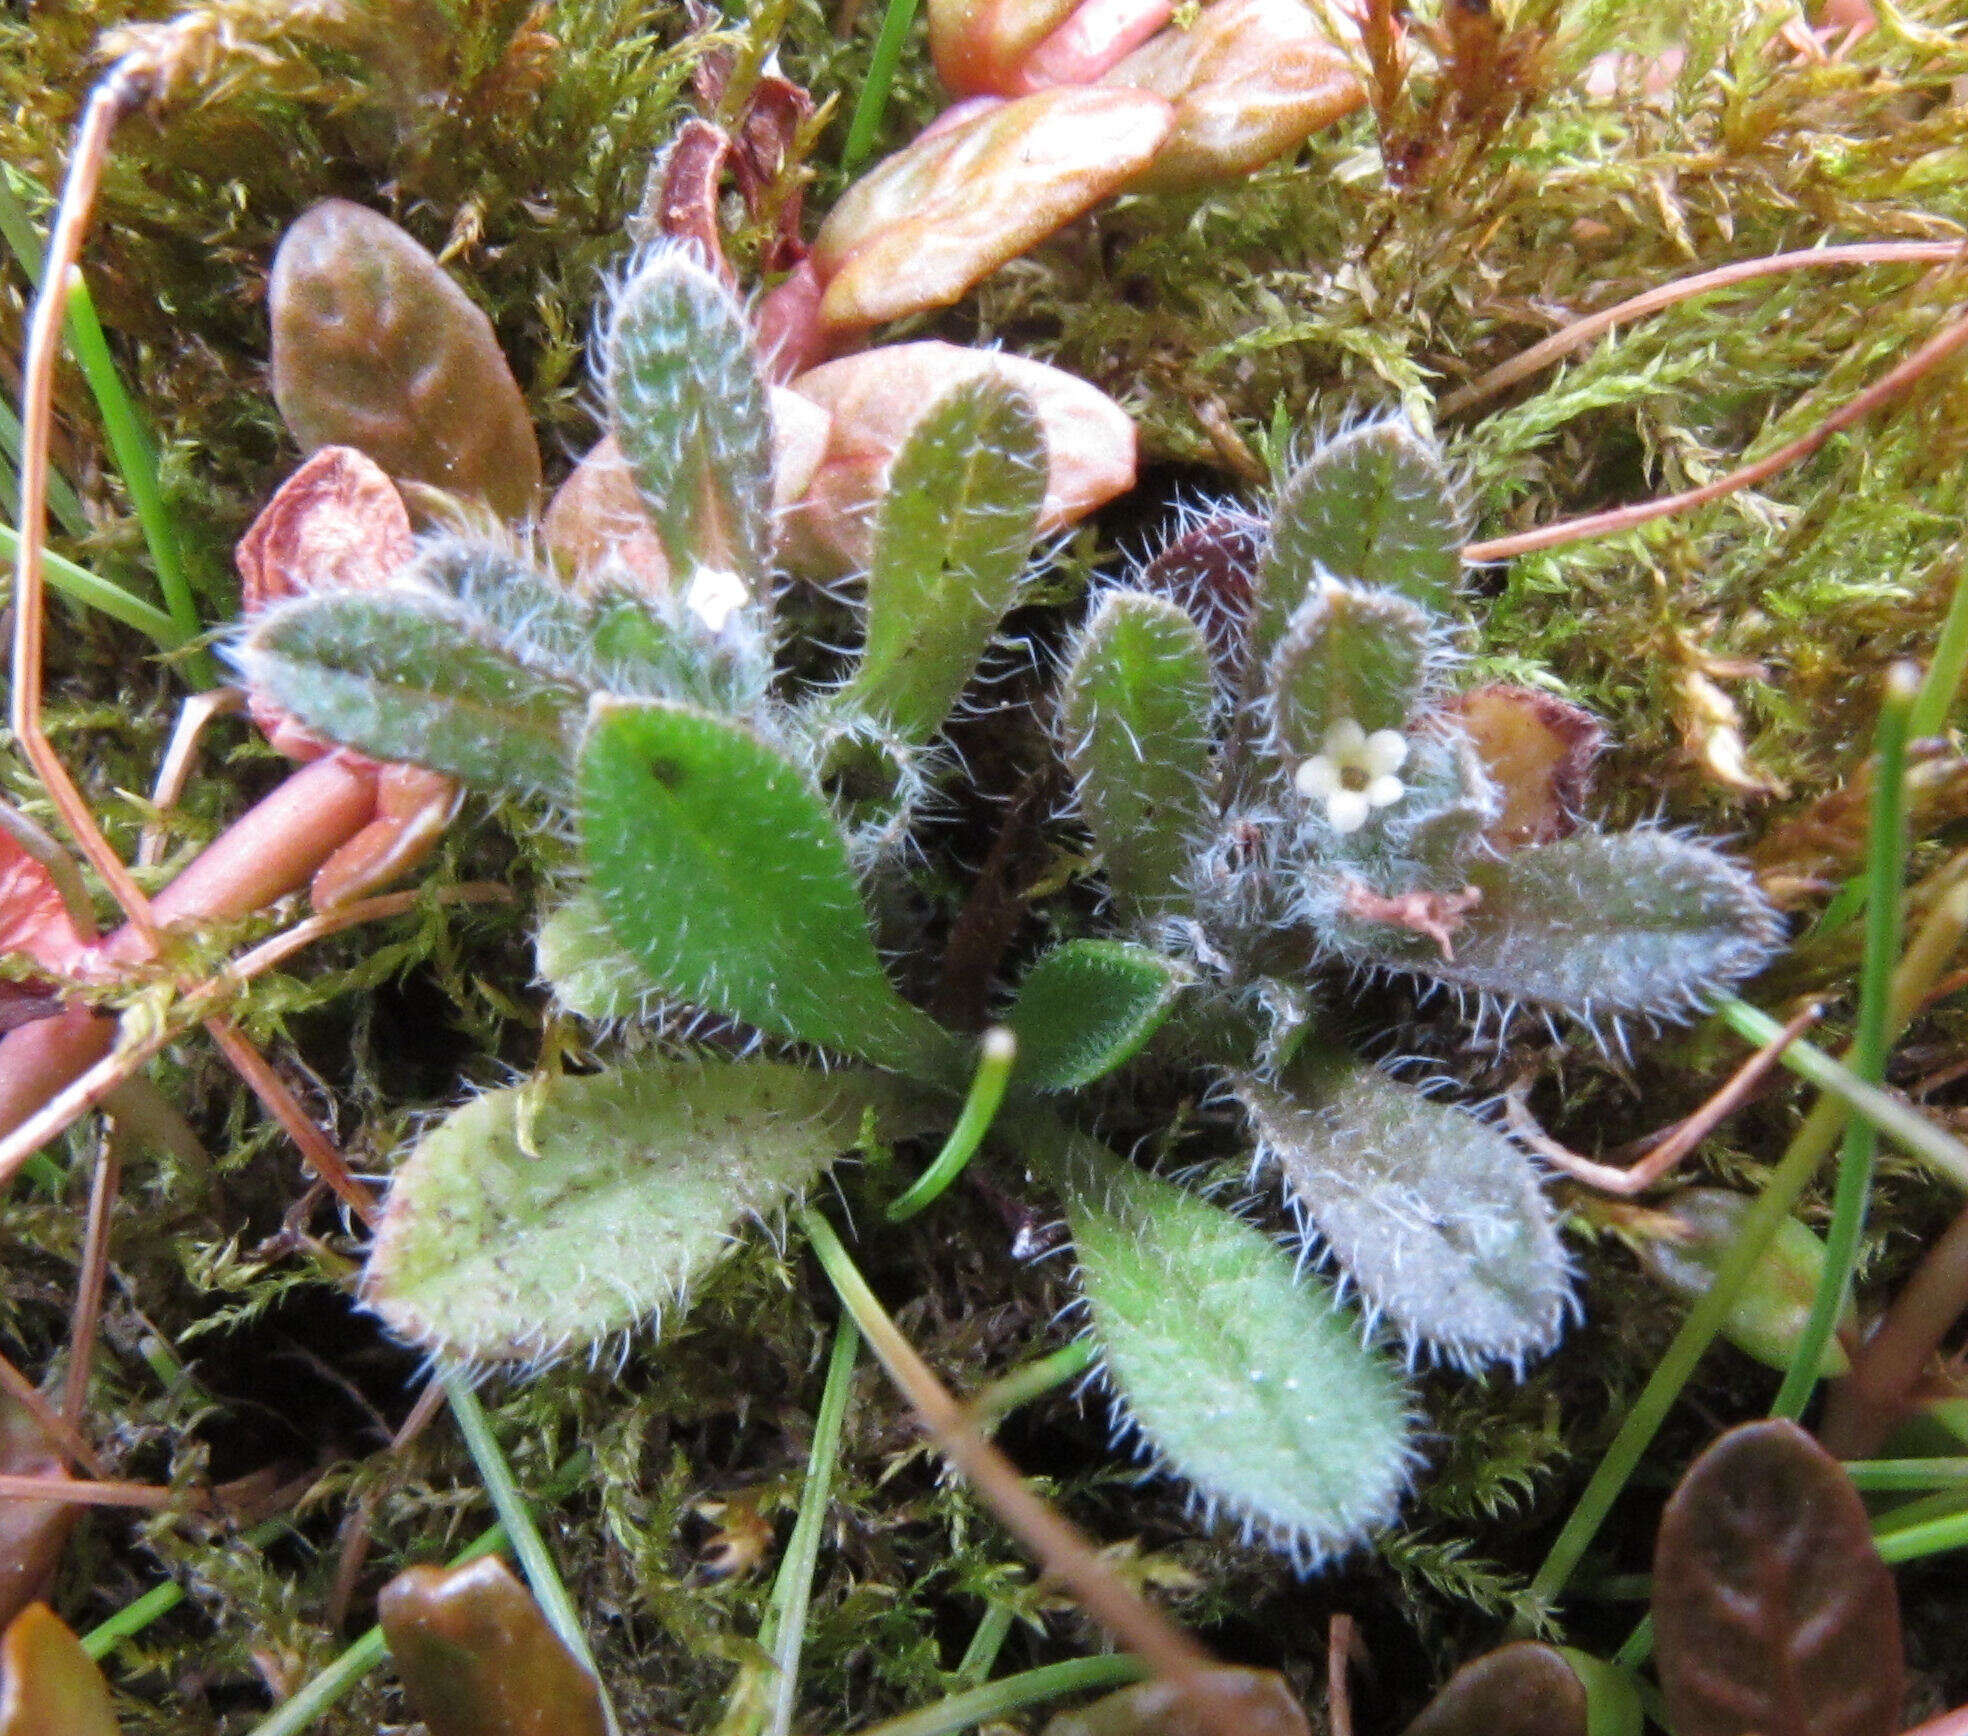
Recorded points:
(1772, 1609)
(726, 878)
(1134, 714)
(952, 536)
(1641, 923)
(688, 406)
(543, 1217)
(1087, 1007)
(412, 676)
(1351, 653)
(1244, 1376)
(590, 971)
(1374, 506)
(477, 1657)
(1435, 1216)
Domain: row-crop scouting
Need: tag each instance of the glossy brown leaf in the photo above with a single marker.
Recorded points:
(922, 226)
(1525, 1689)
(1772, 1610)
(978, 44)
(876, 398)
(1250, 80)
(1257, 1702)
(478, 1659)
(32, 1533)
(375, 347)
(51, 1686)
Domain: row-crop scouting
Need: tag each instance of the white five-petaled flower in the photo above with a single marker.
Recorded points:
(1354, 772)
(714, 595)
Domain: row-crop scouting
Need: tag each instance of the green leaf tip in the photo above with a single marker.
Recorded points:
(724, 875)
(1243, 1375)
(408, 674)
(1374, 505)
(1087, 1008)
(1644, 924)
(1436, 1216)
(952, 535)
(688, 406)
(1349, 653)
(542, 1218)
(1134, 718)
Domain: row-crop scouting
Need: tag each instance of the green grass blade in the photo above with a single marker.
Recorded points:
(84, 587)
(1885, 870)
(872, 103)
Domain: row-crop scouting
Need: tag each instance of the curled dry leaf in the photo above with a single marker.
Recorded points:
(596, 522)
(875, 398)
(1209, 571)
(375, 347)
(1538, 750)
(336, 524)
(49, 1686)
(1250, 80)
(1772, 1609)
(478, 1659)
(1257, 1701)
(926, 224)
(1524, 1689)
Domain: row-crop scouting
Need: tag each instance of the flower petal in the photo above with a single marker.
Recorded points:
(1345, 740)
(1383, 790)
(1386, 751)
(1316, 777)
(1347, 809)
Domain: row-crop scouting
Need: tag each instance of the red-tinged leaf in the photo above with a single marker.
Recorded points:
(33, 920)
(51, 1686)
(1772, 1610)
(32, 1533)
(1518, 1690)
(478, 1659)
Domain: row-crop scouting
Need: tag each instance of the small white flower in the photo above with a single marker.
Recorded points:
(714, 593)
(1354, 773)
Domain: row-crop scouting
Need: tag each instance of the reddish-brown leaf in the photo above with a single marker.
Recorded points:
(51, 1686)
(1772, 1610)
(478, 1659)
(1524, 1689)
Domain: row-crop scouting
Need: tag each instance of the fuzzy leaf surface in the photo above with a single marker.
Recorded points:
(952, 536)
(51, 1686)
(543, 1217)
(1642, 924)
(477, 1657)
(1244, 1376)
(411, 676)
(1349, 652)
(1772, 1609)
(1434, 1214)
(1373, 507)
(1088, 1007)
(1134, 714)
(726, 878)
(590, 971)
(688, 406)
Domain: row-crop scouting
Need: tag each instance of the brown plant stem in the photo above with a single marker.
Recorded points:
(1581, 332)
(86, 1311)
(55, 1429)
(1874, 1395)
(1930, 354)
